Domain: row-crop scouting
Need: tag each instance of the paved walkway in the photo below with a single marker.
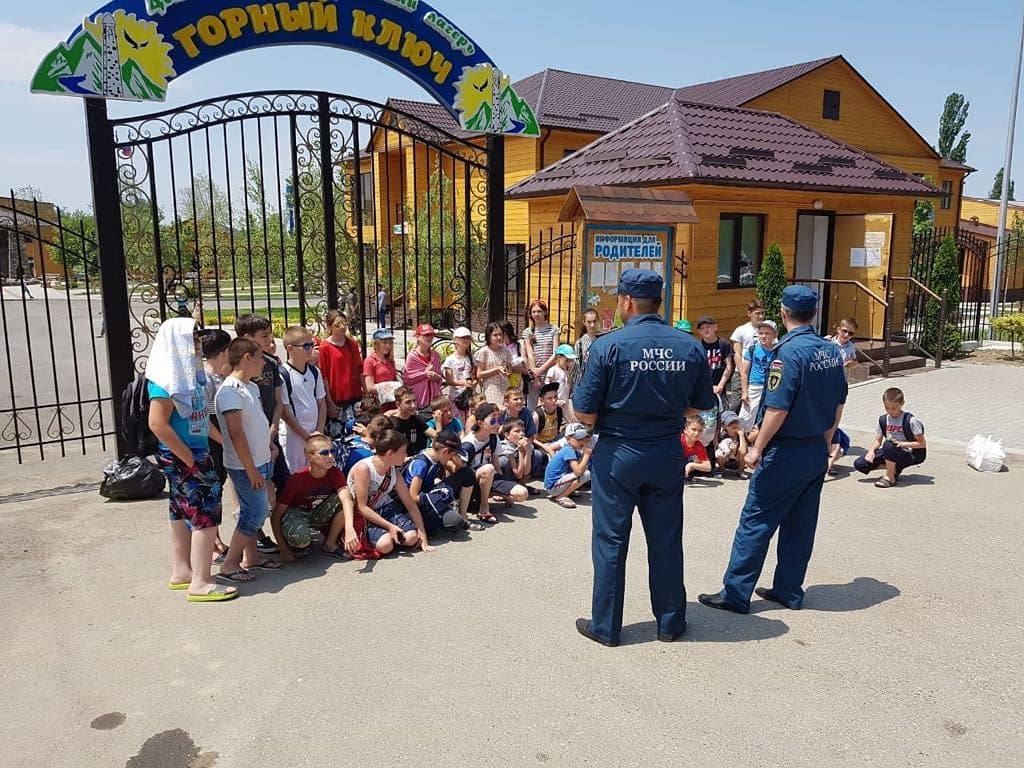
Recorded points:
(955, 403)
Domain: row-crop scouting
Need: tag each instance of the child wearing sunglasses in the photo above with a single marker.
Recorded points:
(306, 394)
(843, 338)
(313, 499)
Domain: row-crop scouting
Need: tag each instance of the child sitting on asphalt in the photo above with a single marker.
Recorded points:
(754, 370)
(247, 458)
(840, 447)
(442, 498)
(474, 402)
(483, 442)
(899, 441)
(549, 419)
(306, 396)
(567, 471)
(732, 445)
(515, 410)
(408, 421)
(312, 500)
(374, 483)
(695, 455)
(515, 452)
(444, 417)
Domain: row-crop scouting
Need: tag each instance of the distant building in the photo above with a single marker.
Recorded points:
(23, 240)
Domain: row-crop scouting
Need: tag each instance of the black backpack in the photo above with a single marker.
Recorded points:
(919, 454)
(135, 418)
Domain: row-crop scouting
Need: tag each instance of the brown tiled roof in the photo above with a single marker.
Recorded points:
(737, 91)
(956, 165)
(681, 142)
(977, 228)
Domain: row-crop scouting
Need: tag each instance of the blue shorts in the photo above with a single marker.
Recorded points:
(253, 505)
(394, 514)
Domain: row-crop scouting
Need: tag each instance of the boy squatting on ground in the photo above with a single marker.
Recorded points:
(482, 439)
(247, 458)
(374, 483)
(440, 485)
(732, 445)
(695, 455)
(314, 498)
(567, 471)
(307, 396)
(899, 441)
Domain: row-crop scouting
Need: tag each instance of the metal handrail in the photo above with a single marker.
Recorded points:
(886, 322)
(937, 357)
(919, 284)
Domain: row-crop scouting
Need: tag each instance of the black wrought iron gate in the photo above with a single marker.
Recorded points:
(286, 204)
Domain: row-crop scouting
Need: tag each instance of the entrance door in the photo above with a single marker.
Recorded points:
(811, 263)
(860, 252)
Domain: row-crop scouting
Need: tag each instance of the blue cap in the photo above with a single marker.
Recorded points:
(640, 284)
(382, 334)
(800, 298)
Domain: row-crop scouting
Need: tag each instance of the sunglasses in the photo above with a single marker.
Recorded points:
(845, 331)
(308, 346)
(322, 452)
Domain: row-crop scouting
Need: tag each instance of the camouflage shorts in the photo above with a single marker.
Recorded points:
(299, 525)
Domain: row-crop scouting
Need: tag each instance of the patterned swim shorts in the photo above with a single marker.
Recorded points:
(195, 491)
(299, 525)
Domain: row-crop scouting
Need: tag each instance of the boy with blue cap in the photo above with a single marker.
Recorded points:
(639, 385)
(803, 400)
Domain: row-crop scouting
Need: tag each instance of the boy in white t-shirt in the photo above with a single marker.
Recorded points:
(741, 338)
(307, 395)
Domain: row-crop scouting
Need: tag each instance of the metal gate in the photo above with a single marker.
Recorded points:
(973, 257)
(55, 393)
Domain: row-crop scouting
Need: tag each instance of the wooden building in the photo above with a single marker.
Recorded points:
(23, 249)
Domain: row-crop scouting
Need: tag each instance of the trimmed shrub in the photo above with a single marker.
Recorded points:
(771, 281)
(945, 276)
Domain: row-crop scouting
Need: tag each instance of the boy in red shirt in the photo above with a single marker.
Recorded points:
(695, 455)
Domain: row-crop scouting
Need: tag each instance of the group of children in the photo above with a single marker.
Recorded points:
(325, 460)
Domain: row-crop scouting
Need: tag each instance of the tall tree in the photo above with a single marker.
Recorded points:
(997, 187)
(952, 136)
(771, 281)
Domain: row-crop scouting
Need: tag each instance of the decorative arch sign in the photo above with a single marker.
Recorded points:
(133, 49)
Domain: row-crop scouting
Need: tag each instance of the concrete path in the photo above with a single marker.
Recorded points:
(907, 652)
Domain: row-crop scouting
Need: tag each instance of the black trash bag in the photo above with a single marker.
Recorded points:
(130, 479)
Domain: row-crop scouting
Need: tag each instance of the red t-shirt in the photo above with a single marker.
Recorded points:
(380, 370)
(304, 491)
(695, 452)
(342, 368)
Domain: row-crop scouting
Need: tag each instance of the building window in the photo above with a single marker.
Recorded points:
(366, 196)
(515, 282)
(740, 244)
(947, 194)
(830, 105)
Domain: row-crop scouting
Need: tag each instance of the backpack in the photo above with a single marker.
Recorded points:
(559, 419)
(135, 418)
(918, 453)
(288, 380)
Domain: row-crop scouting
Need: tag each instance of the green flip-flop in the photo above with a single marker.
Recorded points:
(177, 586)
(216, 595)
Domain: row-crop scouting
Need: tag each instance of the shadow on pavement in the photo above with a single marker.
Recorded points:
(706, 625)
(860, 594)
(904, 480)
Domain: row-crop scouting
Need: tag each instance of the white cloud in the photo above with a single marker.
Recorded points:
(21, 50)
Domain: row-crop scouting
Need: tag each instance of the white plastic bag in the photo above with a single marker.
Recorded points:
(985, 454)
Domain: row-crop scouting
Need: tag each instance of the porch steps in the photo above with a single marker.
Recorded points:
(901, 358)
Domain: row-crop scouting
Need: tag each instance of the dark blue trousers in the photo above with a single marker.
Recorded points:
(647, 477)
(783, 496)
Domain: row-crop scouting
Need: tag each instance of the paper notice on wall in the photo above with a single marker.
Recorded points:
(659, 268)
(872, 257)
(874, 240)
(858, 257)
(611, 274)
(597, 274)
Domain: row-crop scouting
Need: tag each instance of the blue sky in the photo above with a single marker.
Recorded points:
(913, 52)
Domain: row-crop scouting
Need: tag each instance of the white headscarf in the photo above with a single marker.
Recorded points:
(172, 364)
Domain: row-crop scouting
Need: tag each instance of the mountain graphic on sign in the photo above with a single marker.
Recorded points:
(75, 69)
(519, 117)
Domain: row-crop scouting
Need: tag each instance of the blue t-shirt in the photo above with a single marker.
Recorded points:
(760, 358)
(422, 467)
(455, 425)
(559, 465)
(195, 430)
(529, 426)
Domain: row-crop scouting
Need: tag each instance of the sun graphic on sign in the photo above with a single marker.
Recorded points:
(139, 43)
(474, 97)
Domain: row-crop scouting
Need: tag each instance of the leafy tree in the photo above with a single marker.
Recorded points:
(76, 249)
(924, 212)
(941, 332)
(952, 137)
(771, 281)
(1010, 327)
(997, 187)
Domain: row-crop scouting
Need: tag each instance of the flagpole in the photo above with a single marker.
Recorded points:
(1007, 173)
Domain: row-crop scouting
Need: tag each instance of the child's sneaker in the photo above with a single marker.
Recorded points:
(265, 544)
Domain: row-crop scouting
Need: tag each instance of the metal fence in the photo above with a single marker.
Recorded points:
(55, 395)
(971, 316)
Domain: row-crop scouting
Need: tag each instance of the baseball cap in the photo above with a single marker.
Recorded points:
(448, 439)
(549, 387)
(728, 417)
(800, 298)
(705, 320)
(683, 325)
(383, 333)
(462, 332)
(768, 324)
(566, 350)
(640, 283)
(424, 329)
(468, 451)
(575, 429)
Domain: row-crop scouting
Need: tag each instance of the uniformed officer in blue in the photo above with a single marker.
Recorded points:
(803, 401)
(640, 383)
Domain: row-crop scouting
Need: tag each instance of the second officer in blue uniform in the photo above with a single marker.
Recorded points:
(803, 400)
(640, 383)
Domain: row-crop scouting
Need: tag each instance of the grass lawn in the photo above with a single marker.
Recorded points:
(277, 317)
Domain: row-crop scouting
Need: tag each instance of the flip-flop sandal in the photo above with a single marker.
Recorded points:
(220, 558)
(565, 503)
(884, 482)
(177, 586)
(338, 553)
(487, 517)
(476, 525)
(238, 577)
(218, 594)
(266, 565)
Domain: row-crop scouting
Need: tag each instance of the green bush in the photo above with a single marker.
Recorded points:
(771, 281)
(1010, 327)
(941, 332)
